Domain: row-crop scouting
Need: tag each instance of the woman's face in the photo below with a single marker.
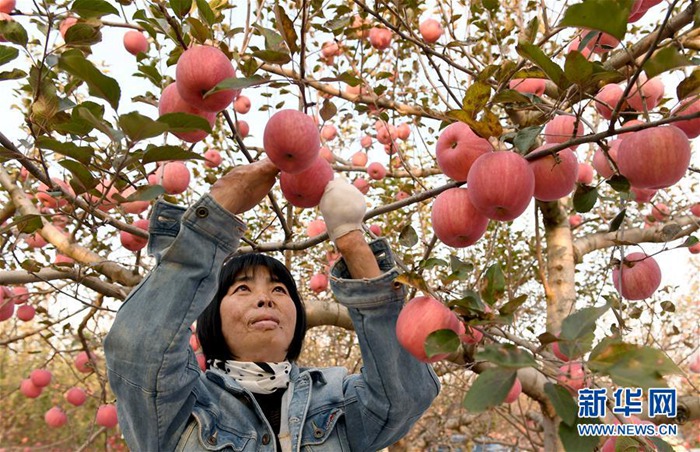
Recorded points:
(258, 317)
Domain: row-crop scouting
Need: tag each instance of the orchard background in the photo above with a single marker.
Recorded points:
(81, 140)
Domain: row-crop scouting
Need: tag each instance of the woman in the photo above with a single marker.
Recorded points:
(251, 325)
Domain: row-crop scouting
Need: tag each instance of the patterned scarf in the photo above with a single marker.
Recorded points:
(259, 378)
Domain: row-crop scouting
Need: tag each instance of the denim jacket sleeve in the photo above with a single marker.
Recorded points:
(393, 389)
(150, 366)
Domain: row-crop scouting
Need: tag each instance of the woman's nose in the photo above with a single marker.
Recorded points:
(263, 303)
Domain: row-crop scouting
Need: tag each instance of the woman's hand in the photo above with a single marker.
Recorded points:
(343, 208)
(244, 186)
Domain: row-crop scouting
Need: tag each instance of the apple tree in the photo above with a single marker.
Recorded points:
(531, 163)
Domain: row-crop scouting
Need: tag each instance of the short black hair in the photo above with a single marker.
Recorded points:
(209, 331)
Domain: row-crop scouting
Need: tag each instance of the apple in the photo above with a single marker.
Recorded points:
(359, 158)
(7, 6)
(375, 229)
(83, 363)
(132, 242)
(40, 377)
(572, 376)
(386, 133)
(171, 102)
(62, 259)
(242, 105)
(75, 396)
(694, 365)
(575, 220)
(376, 171)
(243, 128)
(401, 195)
(20, 294)
(457, 148)
(630, 123)
(695, 249)
(65, 24)
(359, 28)
(419, 317)
(366, 141)
(174, 177)
(601, 163)
(558, 353)
(305, 189)
(29, 389)
(534, 86)
(133, 207)
(35, 241)
(691, 127)
(201, 361)
(135, 42)
(104, 199)
(637, 277)
(430, 30)
(55, 417)
(471, 336)
(640, 7)
(329, 132)
(26, 312)
(555, 176)
(361, 184)
(575, 45)
(213, 158)
(561, 129)
(584, 174)
(7, 308)
(455, 220)
(330, 49)
(600, 42)
(642, 195)
(315, 227)
(695, 209)
(380, 38)
(403, 131)
(654, 158)
(199, 69)
(607, 98)
(660, 211)
(514, 392)
(291, 140)
(501, 185)
(47, 198)
(326, 154)
(318, 283)
(106, 416)
(648, 97)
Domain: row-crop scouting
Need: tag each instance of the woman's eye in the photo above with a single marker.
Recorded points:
(241, 287)
(281, 289)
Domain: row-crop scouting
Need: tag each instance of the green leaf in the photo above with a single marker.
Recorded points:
(82, 34)
(538, 57)
(93, 8)
(577, 68)
(138, 127)
(162, 153)
(617, 221)
(83, 154)
(491, 5)
(512, 305)
(585, 198)
(181, 7)
(14, 74)
(619, 183)
(198, 30)
(99, 84)
(440, 342)
(408, 236)
(664, 60)
(609, 16)
(25, 223)
(433, 262)
(185, 122)
(273, 56)
(489, 389)
(506, 355)
(563, 403)
(510, 96)
(469, 304)
(660, 444)
(582, 322)
(572, 441)
(80, 174)
(338, 23)
(690, 241)
(7, 54)
(476, 97)
(526, 138)
(495, 284)
(631, 364)
(13, 32)
(205, 12)
(488, 127)
(286, 28)
(349, 78)
(143, 193)
(328, 110)
(237, 84)
(690, 86)
(531, 30)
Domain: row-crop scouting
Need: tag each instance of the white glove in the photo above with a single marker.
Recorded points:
(343, 207)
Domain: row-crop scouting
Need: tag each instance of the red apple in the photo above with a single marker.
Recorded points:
(561, 129)
(695, 209)
(555, 177)
(430, 30)
(202, 361)
(361, 184)
(83, 363)
(648, 97)
(403, 131)
(575, 45)
(26, 312)
(20, 294)
(326, 154)
(600, 42)
(40, 377)
(291, 140)
(534, 86)
(572, 376)
(199, 69)
(455, 220)
(558, 353)
(501, 185)
(375, 229)
(135, 42)
(132, 242)
(242, 105)
(380, 38)
(75, 396)
(174, 177)
(420, 317)
(53, 199)
(359, 158)
(133, 207)
(601, 163)
(29, 389)
(575, 220)
(305, 189)
(640, 7)
(213, 158)
(514, 392)
(106, 416)
(471, 335)
(65, 24)
(691, 127)
(694, 365)
(55, 417)
(695, 249)
(329, 132)
(35, 241)
(607, 98)
(318, 283)
(630, 123)
(330, 49)
(376, 171)
(654, 158)
(7, 6)
(660, 211)
(315, 227)
(457, 148)
(637, 277)
(171, 102)
(366, 141)
(642, 195)
(386, 133)
(584, 174)
(401, 195)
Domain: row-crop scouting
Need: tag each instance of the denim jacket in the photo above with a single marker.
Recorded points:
(165, 402)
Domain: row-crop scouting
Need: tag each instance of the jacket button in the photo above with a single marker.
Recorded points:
(212, 440)
(266, 439)
(202, 212)
(318, 433)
